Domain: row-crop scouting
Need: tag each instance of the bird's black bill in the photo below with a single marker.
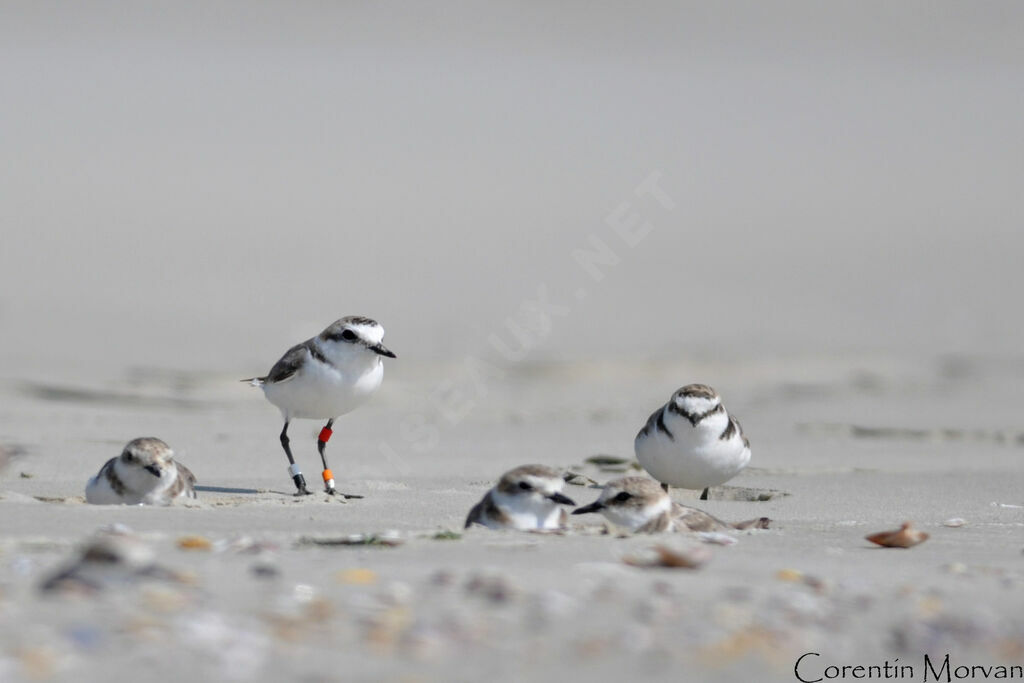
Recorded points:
(153, 469)
(559, 498)
(593, 507)
(382, 350)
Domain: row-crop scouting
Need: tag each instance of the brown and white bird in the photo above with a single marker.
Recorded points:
(527, 498)
(692, 442)
(144, 474)
(323, 378)
(641, 505)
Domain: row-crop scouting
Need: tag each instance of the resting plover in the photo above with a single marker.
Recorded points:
(641, 505)
(144, 474)
(527, 498)
(692, 442)
(323, 378)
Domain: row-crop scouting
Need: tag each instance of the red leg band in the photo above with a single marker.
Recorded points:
(325, 434)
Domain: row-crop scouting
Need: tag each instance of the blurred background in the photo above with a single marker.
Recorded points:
(199, 185)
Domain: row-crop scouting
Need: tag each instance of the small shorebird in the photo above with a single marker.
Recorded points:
(692, 442)
(527, 498)
(641, 505)
(323, 378)
(144, 474)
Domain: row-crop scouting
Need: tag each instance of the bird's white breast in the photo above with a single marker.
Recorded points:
(322, 391)
(528, 512)
(696, 457)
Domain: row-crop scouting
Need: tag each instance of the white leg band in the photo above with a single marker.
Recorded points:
(293, 469)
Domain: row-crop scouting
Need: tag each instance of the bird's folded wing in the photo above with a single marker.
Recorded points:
(659, 524)
(696, 520)
(289, 364)
(185, 474)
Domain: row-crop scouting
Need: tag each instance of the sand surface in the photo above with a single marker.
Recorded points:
(266, 601)
(560, 215)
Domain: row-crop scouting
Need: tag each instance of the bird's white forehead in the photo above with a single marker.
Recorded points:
(696, 405)
(371, 333)
(549, 484)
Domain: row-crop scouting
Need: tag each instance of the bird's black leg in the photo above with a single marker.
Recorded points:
(293, 469)
(704, 494)
(321, 445)
(664, 487)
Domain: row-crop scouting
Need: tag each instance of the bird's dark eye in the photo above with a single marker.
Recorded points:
(348, 335)
(524, 486)
(623, 497)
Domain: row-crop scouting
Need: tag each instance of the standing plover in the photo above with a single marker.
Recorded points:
(144, 474)
(641, 505)
(323, 378)
(692, 442)
(527, 498)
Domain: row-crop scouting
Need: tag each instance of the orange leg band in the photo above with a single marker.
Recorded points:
(328, 475)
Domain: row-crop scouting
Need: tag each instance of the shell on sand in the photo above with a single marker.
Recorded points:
(904, 537)
(688, 558)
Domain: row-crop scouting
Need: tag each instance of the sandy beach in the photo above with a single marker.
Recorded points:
(560, 216)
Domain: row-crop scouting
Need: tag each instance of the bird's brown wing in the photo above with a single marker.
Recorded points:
(186, 482)
(487, 509)
(696, 520)
(659, 524)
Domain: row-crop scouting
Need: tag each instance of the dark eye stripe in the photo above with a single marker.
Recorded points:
(347, 335)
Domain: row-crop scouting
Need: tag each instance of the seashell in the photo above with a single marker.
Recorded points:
(265, 570)
(904, 537)
(386, 540)
(357, 577)
(759, 523)
(689, 558)
(791, 575)
(107, 560)
(955, 522)
(717, 538)
(602, 460)
(577, 479)
(496, 588)
(194, 543)
(612, 463)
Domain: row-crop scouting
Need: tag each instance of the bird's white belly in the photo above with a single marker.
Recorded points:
(691, 462)
(321, 392)
(527, 520)
(98, 492)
